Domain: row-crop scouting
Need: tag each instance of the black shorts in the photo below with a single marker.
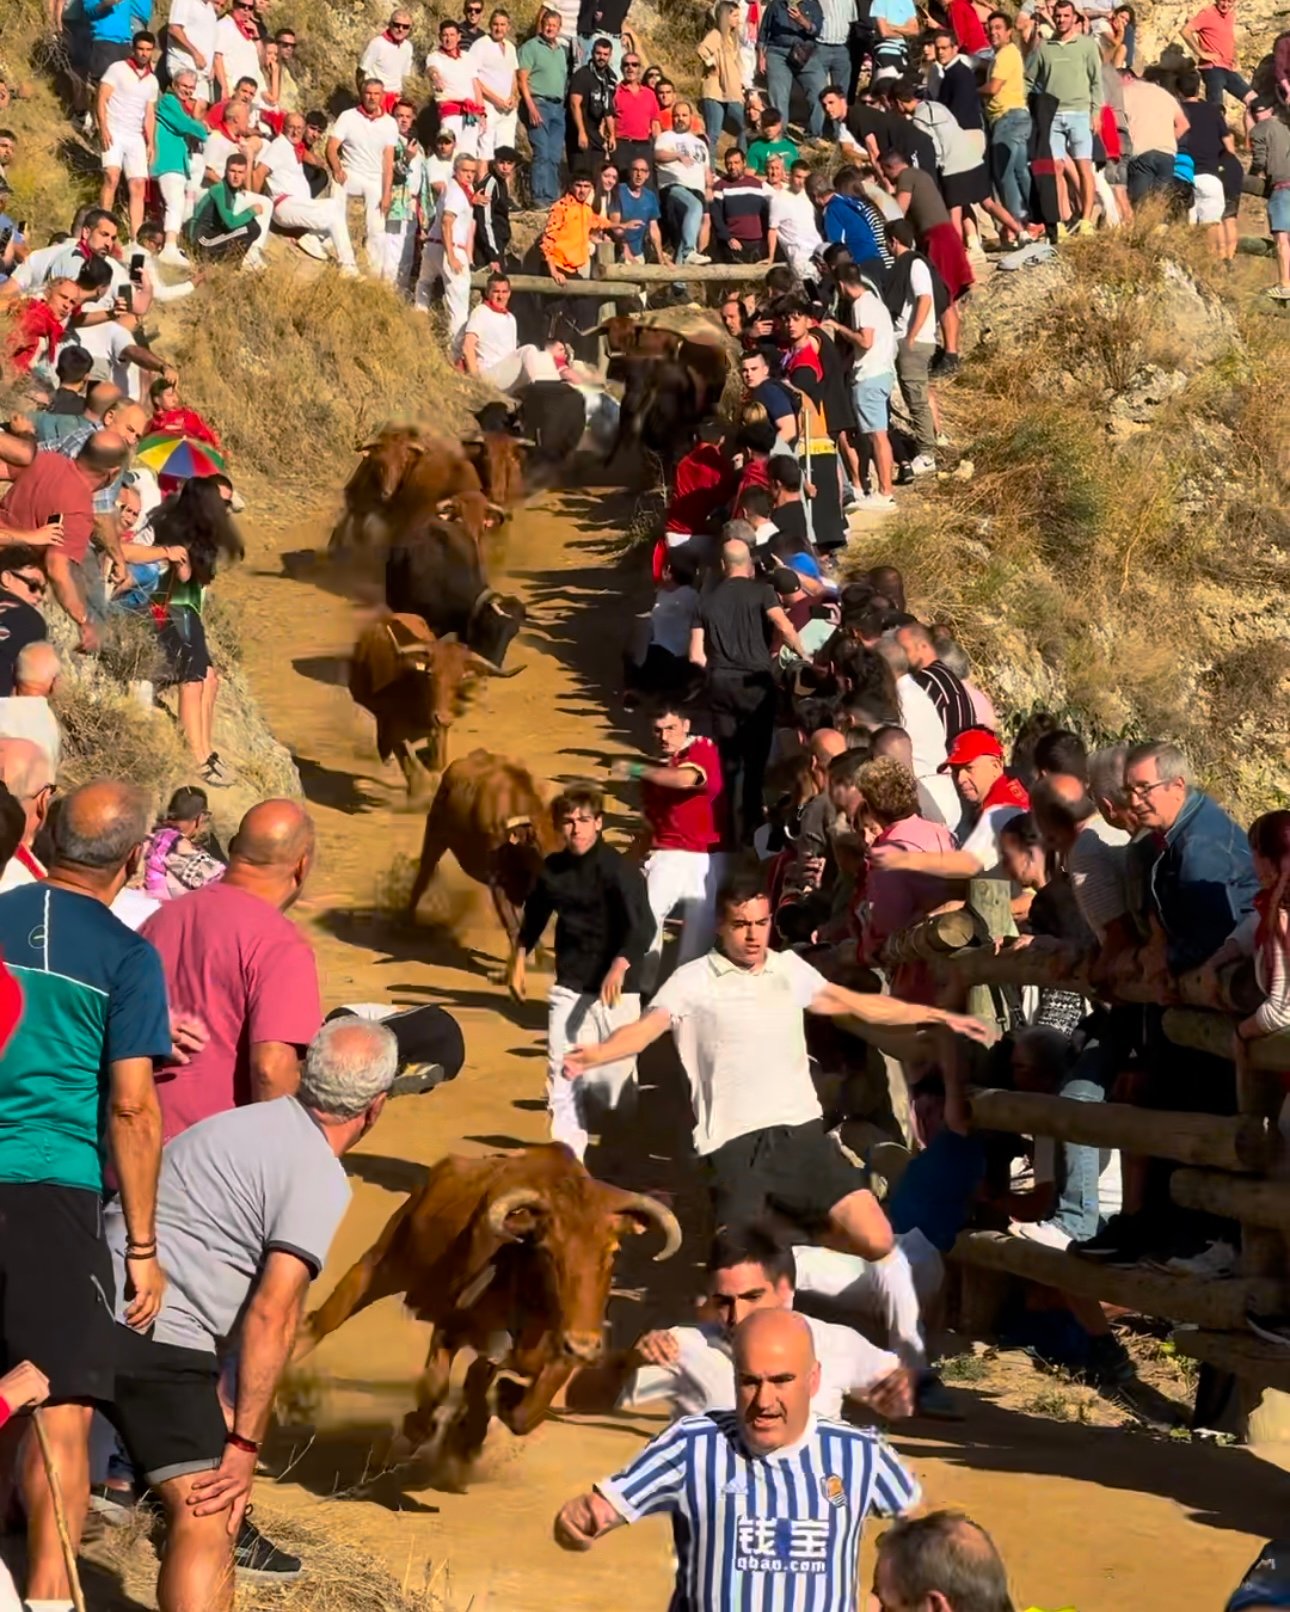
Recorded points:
(183, 639)
(56, 1288)
(167, 1407)
(965, 189)
(103, 53)
(797, 1169)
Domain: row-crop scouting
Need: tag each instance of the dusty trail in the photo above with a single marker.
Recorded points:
(1087, 1517)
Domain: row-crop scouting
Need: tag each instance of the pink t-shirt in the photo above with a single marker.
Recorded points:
(237, 963)
(1215, 32)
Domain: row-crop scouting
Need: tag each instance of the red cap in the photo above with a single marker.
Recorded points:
(971, 745)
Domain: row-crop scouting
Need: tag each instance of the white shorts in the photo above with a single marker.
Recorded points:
(1210, 201)
(129, 154)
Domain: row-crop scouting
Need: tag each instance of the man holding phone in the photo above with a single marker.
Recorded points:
(127, 114)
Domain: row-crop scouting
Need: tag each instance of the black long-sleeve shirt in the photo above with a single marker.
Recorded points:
(601, 913)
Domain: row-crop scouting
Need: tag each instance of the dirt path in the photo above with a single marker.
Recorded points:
(1087, 1517)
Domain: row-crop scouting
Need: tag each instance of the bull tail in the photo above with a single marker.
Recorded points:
(376, 1276)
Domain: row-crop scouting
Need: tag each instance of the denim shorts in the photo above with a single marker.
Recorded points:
(872, 399)
(1279, 211)
(1072, 136)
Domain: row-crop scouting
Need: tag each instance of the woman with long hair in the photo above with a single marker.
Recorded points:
(721, 96)
(195, 522)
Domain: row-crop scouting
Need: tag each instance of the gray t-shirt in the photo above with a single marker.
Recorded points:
(234, 1188)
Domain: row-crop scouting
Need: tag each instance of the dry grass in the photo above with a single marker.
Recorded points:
(54, 172)
(108, 735)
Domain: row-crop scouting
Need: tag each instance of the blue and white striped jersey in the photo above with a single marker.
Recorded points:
(776, 1533)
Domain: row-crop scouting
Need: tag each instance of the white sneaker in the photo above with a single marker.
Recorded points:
(1219, 1259)
(254, 265)
(1040, 1231)
(173, 258)
(875, 501)
(923, 465)
(349, 271)
(311, 246)
(698, 257)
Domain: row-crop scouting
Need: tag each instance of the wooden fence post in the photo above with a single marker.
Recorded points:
(604, 258)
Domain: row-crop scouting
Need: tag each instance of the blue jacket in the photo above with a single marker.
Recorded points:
(117, 24)
(1203, 882)
(779, 30)
(845, 220)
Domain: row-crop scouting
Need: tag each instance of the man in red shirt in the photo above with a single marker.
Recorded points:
(55, 485)
(171, 417)
(682, 797)
(41, 324)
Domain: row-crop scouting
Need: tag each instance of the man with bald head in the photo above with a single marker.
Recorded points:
(27, 775)
(26, 713)
(76, 1088)
(234, 960)
(1095, 853)
(732, 643)
(768, 1500)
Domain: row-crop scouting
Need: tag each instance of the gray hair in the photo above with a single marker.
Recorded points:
(1106, 775)
(463, 158)
(739, 532)
(953, 656)
(893, 652)
(100, 824)
(350, 1063)
(37, 662)
(1171, 764)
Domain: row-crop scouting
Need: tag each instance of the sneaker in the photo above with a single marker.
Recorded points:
(933, 1399)
(113, 1505)
(1215, 1260)
(874, 501)
(1108, 1365)
(311, 246)
(1279, 293)
(416, 1079)
(1122, 1241)
(259, 1558)
(1086, 226)
(950, 364)
(1041, 1231)
(349, 271)
(1271, 1328)
(173, 258)
(923, 465)
(699, 258)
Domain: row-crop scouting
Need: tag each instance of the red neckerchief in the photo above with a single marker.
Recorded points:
(1005, 791)
(11, 1004)
(139, 69)
(452, 55)
(23, 855)
(372, 116)
(388, 35)
(250, 32)
(301, 149)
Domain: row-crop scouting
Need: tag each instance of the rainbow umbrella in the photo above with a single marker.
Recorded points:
(175, 459)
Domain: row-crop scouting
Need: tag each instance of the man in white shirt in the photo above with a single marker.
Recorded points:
(793, 224)
(873, 336)
(682, 162)
(915, 328)
(494, 62)
(26, 713)
(237, 50)
(749, 1268)
(236, 139)
(389, 55)
(191, 33)
(127, 114)
(360, 156)
(449, 247)
(294, 207)
(27, 775)
(736, 1016)
(454, 78)
(490, 342)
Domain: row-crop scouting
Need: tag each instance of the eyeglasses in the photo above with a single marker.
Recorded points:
(36, 585)
(286, 44)
(1143, 791)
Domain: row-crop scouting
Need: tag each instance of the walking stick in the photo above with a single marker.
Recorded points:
(60, 1514)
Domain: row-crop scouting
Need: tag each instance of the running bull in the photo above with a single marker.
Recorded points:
(403, 477)
(434, 570)
(415, 685)
(510, 1257)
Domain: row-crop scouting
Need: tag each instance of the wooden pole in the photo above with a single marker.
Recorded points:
(604, 260)
(1204, 1301)
(990, 900)
(1253, 1203)
(1224, 1143)
(666, 273)
(1212, 1032)
(539, 286)
(941, 934)
(1049, 964)
(60, 1514)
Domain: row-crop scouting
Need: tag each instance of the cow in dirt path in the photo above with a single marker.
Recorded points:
(510, 1257)
(489, 812)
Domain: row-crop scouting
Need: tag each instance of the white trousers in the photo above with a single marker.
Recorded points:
(890, 1290)
(468, 134)
(263, 209)
(688, 880)
(373, 218)
(398, 248)
(498, 130)
(456, 288)
(325, 216)
(178, 199)
(579, 1106)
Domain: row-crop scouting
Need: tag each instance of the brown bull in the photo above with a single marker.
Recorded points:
(498, 458)
(490, 814)
(415, 685)
(510, 1257)
(704, 356)
(404, 476)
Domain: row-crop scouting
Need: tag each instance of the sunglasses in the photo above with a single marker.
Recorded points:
(36, 585)
(400, 27)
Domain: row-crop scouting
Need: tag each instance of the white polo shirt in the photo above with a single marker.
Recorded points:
(286, 171)
(742, 1042)
(132, 95)
(364, 142)
(497, 333)
(389, 62)
(452, 76)
(703, 1375)
(494, 66)
(453, 199)
(216, 152)
(792, 216)
(241, 55)
(200, 21)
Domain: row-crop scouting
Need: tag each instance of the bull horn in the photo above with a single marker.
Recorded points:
(523, 820)
(414, 649)
(506, 1204)
(639, 1203)
(486, 668)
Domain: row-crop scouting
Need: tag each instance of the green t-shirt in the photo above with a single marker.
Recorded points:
(547, 67)
(760, 150)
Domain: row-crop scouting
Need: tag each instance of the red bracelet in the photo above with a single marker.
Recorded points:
(248, 1446)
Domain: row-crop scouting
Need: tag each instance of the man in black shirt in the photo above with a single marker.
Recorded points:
(591, 107)
(732, 641)
(952, 701)
(22, 591)
(492, 209)
(603, 930)
(471, 25)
